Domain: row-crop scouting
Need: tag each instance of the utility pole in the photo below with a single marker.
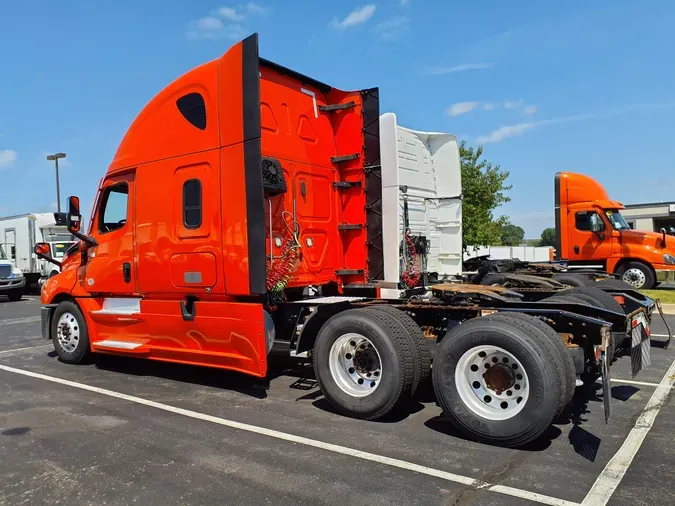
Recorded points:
(55, 157)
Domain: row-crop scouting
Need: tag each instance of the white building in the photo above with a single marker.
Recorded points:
(650, 217)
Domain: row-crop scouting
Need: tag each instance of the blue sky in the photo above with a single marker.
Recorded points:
(545, 86)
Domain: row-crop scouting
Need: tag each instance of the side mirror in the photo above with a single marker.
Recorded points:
(596, 224)
(43, 251)
(663, 237)
(73, 219)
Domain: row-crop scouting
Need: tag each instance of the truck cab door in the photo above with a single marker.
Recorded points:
(590, 238)
(110, 267)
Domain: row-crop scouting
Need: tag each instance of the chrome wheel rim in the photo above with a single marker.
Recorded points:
(355, 365)
(634, 277)
(68, 332)
(492, 382)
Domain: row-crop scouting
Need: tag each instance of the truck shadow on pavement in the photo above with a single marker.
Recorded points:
(584, 442)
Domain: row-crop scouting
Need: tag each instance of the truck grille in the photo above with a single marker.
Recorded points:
(5, 271)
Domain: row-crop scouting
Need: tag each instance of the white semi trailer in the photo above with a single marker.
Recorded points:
(18, 235)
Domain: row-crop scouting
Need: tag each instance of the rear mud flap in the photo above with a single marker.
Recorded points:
(46, 312)
(606, 388)
(640, 350)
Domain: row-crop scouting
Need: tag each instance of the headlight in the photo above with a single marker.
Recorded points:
(669, 259)
(16, 273)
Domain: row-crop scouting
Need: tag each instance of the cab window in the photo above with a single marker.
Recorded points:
(587, 221)
(617, 221)
(113, 213)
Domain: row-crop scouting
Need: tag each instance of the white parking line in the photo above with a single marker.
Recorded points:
(24, 349)
(631, 382)
(16, 321)
(380, 459)
(616, 468)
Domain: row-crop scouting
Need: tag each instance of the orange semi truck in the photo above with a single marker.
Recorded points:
(592, 234)
(243, 209)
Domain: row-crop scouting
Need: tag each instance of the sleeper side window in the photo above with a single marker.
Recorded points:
(193, 109)
(114, 205)
(192, 203)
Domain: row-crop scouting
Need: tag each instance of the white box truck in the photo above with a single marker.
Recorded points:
(18, 235)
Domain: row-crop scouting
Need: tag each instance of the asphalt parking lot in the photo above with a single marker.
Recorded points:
(122, 431)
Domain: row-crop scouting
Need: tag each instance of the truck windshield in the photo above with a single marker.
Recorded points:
(59, 248)
(616, 219)
(2, 253)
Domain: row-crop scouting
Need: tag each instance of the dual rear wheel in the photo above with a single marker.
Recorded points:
(500, 379)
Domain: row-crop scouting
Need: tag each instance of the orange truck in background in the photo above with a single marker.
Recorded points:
(591, 233)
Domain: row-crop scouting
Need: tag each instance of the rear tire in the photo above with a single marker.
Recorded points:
(638, 275)
(511, 420)
(566, 370)
(417, 340)
(364, 363)
(570, 279)
(69, 333)
(15, 295)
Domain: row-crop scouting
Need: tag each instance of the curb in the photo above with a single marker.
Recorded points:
(668, 309)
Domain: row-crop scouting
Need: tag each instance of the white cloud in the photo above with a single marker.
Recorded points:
(257, 9)
(514, 130)
(230, 14)
(209, 23)
(488, 106)
(7, 158)
(461, 108)
(513, 104)
(505, 132)
(356, 17)
(439, 71)
(529, 110)
(392, 28)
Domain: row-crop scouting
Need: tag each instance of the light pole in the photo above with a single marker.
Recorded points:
(56, 157)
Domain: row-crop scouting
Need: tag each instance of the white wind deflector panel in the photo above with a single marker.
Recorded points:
(429, 165)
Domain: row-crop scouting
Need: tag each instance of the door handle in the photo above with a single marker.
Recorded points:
(576, 249)
(126, 271)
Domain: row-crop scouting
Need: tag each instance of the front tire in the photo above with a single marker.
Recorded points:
(515, 399)
(69, 333)
(638, 275)
(15, 295)
(364, 363)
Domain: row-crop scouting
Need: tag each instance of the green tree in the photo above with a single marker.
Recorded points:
(483, 187)
(512, 235)
(547, 237)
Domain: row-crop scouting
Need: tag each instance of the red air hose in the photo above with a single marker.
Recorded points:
(411, 276)
(279, 273)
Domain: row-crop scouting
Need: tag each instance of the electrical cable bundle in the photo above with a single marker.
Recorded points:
(279, 273)
(411, 272)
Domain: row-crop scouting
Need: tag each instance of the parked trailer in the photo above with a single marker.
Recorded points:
(268, 228)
